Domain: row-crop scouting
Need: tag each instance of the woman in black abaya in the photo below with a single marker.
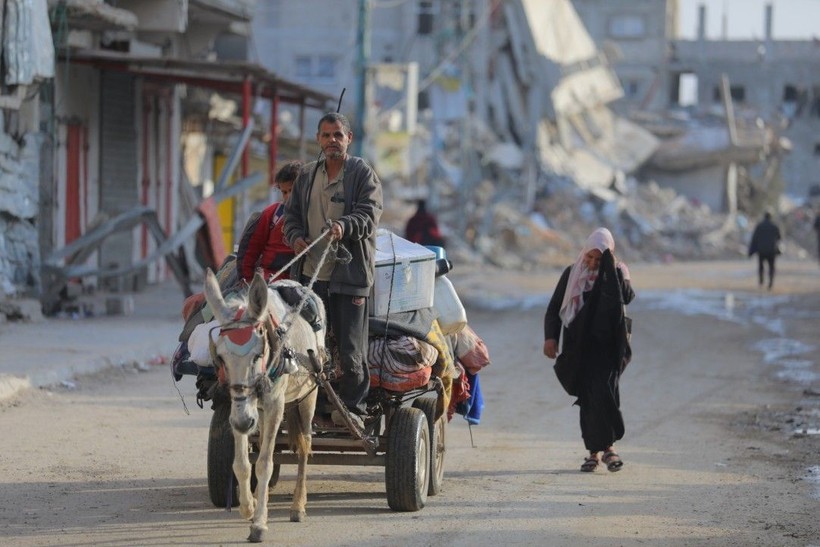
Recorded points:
(587, 309)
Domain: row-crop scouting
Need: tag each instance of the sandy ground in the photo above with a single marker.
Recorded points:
(719, 447)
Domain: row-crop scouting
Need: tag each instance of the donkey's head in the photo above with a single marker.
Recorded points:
(243, 349)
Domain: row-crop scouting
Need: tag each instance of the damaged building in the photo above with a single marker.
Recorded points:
(131, 141)
(505, 115)
(772, 84)
(28, 66)
(524, 123)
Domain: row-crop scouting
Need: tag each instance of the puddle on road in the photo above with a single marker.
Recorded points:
(772, 312)
(813, 477)
(794, 360)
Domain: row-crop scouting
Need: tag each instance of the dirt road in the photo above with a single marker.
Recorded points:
(719, 447)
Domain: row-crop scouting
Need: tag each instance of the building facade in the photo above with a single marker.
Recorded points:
(777, 79)
(635, 36)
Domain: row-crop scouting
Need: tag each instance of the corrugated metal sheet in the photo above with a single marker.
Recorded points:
(118, 161)
(28, 49)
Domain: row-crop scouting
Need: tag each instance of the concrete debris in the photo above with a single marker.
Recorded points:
(22, 309)
(522, 180)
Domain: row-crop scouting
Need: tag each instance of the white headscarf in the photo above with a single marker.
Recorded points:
(581, 279)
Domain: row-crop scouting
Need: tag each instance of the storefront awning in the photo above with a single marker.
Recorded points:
(224, 76)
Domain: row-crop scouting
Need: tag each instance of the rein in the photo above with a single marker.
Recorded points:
(285, 358)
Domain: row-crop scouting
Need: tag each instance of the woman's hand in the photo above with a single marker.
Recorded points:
(551, 348)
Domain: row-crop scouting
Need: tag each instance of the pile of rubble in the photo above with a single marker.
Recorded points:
(650, 224)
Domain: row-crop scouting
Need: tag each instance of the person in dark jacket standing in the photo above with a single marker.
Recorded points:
(342, 194)
(765, 243)
(586, 311)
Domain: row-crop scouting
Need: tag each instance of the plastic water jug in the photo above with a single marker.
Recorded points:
(452, 315)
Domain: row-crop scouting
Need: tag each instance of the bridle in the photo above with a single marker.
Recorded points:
(238, 333)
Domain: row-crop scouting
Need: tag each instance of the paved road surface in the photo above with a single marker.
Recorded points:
(711, 402)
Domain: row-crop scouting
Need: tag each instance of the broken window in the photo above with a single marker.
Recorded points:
(683, 89)
(326, 67)
(627, 26)
(795, 100)
(425, 12)
(302, 66)
(737, 92)
(631, 88)
(312, 68)
(815, 102)
(423, 100)
(817, 149)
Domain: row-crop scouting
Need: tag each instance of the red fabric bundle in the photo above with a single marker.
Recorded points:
(400, 363)
(470, 350)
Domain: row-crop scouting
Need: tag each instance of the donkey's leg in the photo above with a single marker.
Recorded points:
(242, 470)
(273, 409)
(301, 438)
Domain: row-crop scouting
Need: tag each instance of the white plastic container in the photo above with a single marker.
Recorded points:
(404, 275)
(452, 317)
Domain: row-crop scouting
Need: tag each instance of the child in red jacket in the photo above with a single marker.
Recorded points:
(265, 247)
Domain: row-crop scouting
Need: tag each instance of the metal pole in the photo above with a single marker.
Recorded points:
(246, 116)
(273, 146)
(363, 49)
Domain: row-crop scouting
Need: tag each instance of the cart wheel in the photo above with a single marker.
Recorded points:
(407, 460)
(220, 459)
(437, 448)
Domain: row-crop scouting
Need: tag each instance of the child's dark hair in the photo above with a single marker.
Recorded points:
(289, 172)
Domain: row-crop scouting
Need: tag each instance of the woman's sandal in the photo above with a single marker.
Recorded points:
(590, 463)
(612, 461)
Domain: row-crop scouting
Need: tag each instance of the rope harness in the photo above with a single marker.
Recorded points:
(238, 333)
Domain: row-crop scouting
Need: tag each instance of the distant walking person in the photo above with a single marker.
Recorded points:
(765, 240)
(817, 229)
(422, 228)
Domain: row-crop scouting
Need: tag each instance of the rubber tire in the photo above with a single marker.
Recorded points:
(220, 458)
(437, 437)
(407, 460)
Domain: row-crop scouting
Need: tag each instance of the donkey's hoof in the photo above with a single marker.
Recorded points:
(257, 535)
(297, 516)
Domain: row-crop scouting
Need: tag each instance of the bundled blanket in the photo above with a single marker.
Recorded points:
(400, 363)
(470, 350)
(423, 326)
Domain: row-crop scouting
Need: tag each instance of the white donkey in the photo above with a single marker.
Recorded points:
(256, 334)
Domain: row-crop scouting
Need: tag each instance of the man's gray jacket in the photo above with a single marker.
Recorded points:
(362, 211)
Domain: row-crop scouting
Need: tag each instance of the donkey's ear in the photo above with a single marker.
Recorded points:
(257, 297)
(213, 296)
